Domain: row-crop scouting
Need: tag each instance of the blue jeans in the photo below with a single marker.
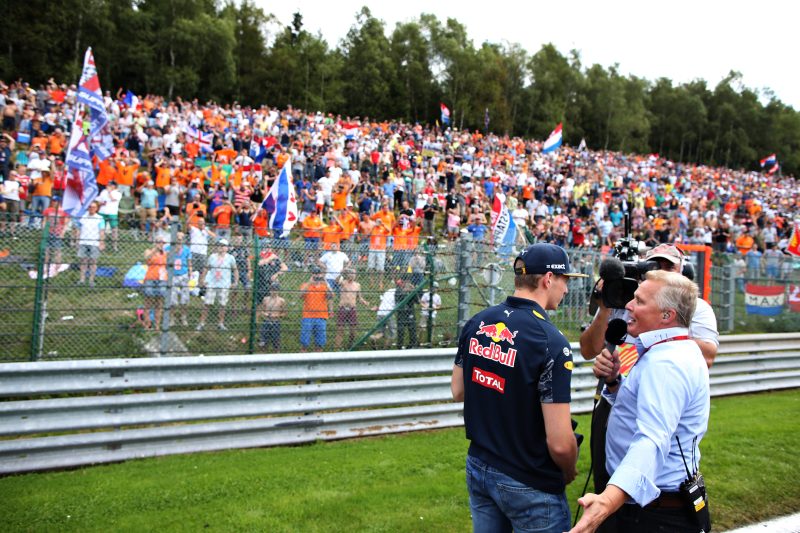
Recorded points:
(318, 327)
(500, 503)
(38, 205)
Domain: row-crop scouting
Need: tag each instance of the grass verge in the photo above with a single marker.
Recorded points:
(407, 482)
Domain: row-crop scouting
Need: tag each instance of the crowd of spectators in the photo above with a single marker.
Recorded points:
(380, 183)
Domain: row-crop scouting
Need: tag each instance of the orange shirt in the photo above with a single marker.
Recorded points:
(40, 142)
(315, 300)
(260, 224)
(312, 224)
(44, 186)
(377, 239)
(331, 234)
(107, 173)
(349, 222)
(125, 173)
(163, 176)
(156, 267)
(744, 243)
(222, 214)
(386, 217)
(339, 200)
(56, 144)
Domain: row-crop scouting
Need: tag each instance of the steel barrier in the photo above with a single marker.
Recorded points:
(72, 413)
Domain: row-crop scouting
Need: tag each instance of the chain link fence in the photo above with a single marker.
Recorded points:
(179, 291)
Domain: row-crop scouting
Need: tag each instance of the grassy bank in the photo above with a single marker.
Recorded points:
(408, 482)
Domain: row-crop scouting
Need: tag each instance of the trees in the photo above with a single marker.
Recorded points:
(222, 50)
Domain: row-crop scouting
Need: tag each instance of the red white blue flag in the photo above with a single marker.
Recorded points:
(553, 141)
(445, 114)
(769, 160)
(764, 300)
(205, 140)
(281, 202)
(504, 230)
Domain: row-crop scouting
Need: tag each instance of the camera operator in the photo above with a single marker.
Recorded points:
(702, 330)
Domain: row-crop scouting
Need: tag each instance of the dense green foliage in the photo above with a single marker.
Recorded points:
(208, 50)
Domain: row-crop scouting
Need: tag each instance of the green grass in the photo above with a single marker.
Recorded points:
(407, 482)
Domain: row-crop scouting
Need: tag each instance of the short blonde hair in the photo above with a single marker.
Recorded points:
(677, 292)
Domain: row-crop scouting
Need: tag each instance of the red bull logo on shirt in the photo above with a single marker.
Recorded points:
(497, 332)
(493, 352)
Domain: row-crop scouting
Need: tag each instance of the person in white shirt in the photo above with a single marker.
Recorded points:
(90, 243)
(198, 242)
(334, 261)
(221, 276)
(10, 201)
(429, 305)
(109, 209)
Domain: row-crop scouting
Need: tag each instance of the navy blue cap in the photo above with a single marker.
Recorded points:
(544, 257)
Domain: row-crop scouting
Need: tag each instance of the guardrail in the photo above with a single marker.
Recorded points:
(113, 410)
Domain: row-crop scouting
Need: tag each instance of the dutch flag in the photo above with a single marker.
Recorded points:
(131, 100)
(554, 141)
(769, 160)
(445, 114)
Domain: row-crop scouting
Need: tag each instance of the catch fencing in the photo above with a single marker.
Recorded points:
(47, 314)
(69, 413)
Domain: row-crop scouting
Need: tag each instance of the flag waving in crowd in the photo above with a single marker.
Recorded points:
(445, 114)
(86, 139)
(769, 160)
(281, 202)
(504, 230)
(554, 141)
(204, 140)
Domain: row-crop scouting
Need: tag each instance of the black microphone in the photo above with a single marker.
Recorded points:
(616, 331)
(611, 268)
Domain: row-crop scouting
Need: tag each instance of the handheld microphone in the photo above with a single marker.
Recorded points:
(616, 331)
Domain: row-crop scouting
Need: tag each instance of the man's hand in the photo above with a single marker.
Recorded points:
(598, 507)
(606, 365)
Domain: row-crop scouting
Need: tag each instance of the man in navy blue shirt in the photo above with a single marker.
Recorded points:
(513, 371)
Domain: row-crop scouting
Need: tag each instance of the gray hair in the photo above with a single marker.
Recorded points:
(677, 292)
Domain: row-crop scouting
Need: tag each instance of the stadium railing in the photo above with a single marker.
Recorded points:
(58, 414)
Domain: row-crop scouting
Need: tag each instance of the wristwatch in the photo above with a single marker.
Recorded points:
(616, 381)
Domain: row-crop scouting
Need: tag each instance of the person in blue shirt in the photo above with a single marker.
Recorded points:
(477, 229)
(660, 414)
(181, 262)
(512, 371)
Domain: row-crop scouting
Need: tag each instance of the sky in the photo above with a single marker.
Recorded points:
(681, 40)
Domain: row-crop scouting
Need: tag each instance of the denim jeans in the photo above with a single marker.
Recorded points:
(500, 503)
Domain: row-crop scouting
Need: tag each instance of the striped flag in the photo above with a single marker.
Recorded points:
(769, 160)
(281, 202)
(445, 113)
(504, 230)
(553, 141)
(764, 300)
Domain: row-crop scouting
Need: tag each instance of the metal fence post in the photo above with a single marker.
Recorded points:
(463, 264)
(37, 333)
(254, 303)
(166, 318)
(431, 280)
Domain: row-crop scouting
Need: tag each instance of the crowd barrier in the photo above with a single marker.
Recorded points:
(70, 413)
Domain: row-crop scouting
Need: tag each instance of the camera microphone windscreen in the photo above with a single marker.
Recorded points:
(611, 268)
(616, 331)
